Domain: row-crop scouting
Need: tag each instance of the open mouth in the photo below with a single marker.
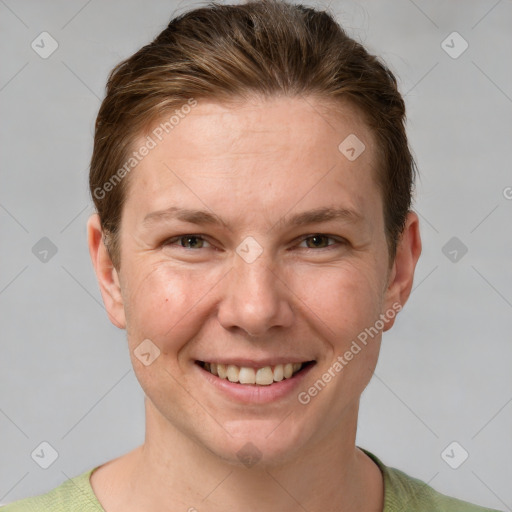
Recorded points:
(254, 376)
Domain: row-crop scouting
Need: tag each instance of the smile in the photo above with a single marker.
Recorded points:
(263, 376)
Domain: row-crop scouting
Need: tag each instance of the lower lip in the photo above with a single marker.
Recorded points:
(254, 393)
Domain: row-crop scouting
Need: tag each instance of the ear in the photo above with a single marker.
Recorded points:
(401, 274)
(106, 274)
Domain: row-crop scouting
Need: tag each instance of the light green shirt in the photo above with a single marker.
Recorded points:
(402, 493)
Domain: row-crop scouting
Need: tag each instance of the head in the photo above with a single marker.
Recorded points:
(275, 124)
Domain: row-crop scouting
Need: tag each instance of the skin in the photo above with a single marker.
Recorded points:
(254, 164)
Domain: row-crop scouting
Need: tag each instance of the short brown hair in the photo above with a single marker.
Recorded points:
(266, 48)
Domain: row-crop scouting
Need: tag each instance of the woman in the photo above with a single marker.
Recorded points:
(252, 180)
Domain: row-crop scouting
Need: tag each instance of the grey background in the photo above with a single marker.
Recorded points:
(444, 373)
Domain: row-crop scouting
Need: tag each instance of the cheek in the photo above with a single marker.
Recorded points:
(170, 305)
(360, 299)
(164, 304)
(344, 299)
(346, 303)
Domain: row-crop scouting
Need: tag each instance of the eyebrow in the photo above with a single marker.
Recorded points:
(315, 216)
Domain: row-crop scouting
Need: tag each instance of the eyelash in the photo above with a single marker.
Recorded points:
(338, 240)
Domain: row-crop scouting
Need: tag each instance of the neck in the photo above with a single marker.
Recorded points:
(170, 468)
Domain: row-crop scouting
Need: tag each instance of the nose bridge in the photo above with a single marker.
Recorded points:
(255, 299)
(257, 277)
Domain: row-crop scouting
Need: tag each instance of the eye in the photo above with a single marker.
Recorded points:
(320, 241)
(187, 241)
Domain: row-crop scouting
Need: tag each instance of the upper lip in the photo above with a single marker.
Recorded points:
(255, 363)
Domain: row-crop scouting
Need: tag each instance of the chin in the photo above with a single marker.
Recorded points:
(262, 443)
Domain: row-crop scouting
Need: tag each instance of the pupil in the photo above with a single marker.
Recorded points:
(190, 240)
(317, 240)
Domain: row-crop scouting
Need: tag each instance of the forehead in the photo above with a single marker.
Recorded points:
(263, 153)
(313, 124)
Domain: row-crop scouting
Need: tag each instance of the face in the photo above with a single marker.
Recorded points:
(249, 239)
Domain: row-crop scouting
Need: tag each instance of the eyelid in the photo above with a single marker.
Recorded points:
(337, 239)
(172, 240)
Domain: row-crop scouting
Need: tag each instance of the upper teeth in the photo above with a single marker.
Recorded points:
(246, 375)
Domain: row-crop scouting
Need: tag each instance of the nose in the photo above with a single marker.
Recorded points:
(255, 298)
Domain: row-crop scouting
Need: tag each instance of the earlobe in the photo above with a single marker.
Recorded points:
(107, 275)
(402, 273)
